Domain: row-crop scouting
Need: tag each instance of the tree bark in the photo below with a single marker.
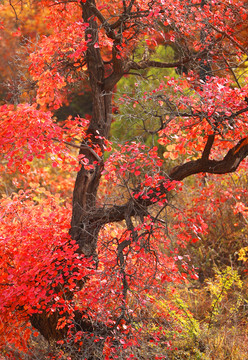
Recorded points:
(84, 196)
(83, 229)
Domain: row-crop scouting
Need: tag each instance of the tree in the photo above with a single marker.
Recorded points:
(85, 289)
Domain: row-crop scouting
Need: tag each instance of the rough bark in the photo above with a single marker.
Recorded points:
(87, 181)
(84, 229)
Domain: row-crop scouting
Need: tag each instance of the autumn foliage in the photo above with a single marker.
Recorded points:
(102, 224)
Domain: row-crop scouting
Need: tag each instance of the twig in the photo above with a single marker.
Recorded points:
(82, 146)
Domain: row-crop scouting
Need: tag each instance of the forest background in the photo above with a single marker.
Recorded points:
(123, 136)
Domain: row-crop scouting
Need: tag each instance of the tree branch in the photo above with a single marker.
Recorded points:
(126, 14)
(157, 64)
(203, 165)
(229, 37)
(232, 71)
(208, 147)
(242, 111)
(228, 164)
(13, 8)
(107, 26)
(82, 146)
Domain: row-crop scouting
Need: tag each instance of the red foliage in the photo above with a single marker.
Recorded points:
(41, 269)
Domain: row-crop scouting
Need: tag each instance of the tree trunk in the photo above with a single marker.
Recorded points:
(83, 227)
(87, 181)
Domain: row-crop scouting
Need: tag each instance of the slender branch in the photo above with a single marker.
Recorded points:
(129, 8)
(82, 146)
(126, 14)
(231, 69)
(13, 8)
(107, 26)
(157, 64)
(229, 37)
(92, 152)
(67, 143)
(208, 147)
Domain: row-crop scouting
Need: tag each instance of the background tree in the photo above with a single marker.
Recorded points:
(86, 291)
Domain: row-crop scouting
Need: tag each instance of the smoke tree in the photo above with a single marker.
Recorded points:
(85, 277)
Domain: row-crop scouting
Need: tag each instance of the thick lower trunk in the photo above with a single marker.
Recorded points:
(84, 229)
